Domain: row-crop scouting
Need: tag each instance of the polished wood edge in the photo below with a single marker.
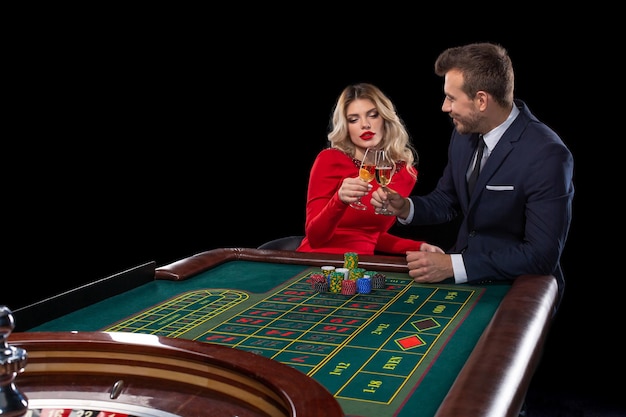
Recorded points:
(496, 376)
(193, 265)
(296, 390)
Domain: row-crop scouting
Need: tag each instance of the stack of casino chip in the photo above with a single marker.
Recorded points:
(326, 271)
(348, 287)
(356, 273)
(344, 271)
(364, 285)
(321, 286)
(317, 278)
(378, 280)
(371, 274)
(350, 260)
(335, 281)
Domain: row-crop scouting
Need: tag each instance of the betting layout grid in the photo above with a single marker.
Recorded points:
(352, 344)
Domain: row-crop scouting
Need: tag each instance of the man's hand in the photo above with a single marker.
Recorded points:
(427, 247)
(429, 267)
(390, 199)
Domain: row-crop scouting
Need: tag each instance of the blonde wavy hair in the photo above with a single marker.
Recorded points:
(396, 141)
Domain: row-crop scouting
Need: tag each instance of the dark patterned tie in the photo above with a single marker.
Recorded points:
(471, 181)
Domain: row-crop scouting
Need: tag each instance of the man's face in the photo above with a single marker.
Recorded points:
(461, 108)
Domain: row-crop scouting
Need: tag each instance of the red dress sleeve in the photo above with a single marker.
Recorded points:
(324, 209)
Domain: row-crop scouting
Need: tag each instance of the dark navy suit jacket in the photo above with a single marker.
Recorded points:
(519, 215)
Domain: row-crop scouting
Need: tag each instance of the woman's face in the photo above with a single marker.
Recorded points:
(365, 125)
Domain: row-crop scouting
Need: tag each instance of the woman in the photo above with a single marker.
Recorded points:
(363, 117)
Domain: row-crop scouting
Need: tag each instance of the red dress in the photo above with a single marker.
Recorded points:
(334, 227)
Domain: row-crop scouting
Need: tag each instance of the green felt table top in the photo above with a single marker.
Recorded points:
(394, 351)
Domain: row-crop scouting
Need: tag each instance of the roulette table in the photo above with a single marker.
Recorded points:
(403, 349)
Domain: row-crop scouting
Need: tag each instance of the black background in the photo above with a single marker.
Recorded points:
(154, 138)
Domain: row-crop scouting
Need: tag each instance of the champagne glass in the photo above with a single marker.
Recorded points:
(385, 168)
(366, 173)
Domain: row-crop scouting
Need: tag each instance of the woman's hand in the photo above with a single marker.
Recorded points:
(352, 189)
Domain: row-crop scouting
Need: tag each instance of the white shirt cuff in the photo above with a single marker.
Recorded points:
(458, 267)
(410, 216)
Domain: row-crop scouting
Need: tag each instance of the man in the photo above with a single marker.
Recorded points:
(518, 216)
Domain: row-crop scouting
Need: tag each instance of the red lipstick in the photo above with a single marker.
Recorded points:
(367, 135)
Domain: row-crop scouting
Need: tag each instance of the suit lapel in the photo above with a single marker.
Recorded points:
(504, 146)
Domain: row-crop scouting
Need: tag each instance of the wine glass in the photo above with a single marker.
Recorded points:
(366, 173)
(385, 168)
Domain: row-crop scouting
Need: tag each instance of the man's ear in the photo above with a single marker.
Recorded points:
(482, 99)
